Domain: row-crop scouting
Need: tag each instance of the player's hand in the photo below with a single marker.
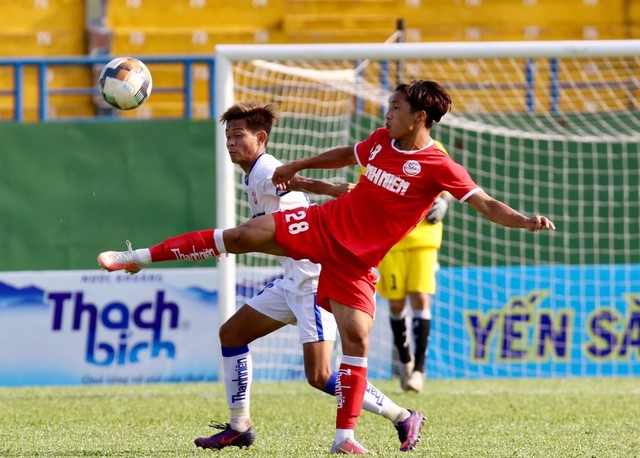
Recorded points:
(340, 189)
(438, 210)
(538, 223)
(282, 175)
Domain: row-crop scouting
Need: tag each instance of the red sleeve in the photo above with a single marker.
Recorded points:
(454, 178)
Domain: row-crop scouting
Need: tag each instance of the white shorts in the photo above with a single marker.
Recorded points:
(315, 324)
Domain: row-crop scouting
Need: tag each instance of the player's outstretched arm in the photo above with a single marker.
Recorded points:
(322, 187)
(334, 158)
(500, 213)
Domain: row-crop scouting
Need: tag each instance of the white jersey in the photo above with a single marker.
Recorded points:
(300, 277)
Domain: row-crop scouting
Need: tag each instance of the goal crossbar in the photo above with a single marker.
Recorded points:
(456, 50)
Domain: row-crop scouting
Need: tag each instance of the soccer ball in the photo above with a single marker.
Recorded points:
(125, 83)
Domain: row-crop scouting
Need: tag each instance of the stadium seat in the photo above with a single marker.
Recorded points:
(44, 28)
(62, 78)
(42, 43)
(518, 13)
(313, 7)
(53, 43)
(632, 25)
(179, 41)
(41, 15)
(169, 14)
(36, 28)
(338, 27)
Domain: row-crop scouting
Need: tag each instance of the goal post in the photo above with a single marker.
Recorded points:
(547, 127)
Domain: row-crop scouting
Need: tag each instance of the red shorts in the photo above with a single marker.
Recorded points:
(344, 278)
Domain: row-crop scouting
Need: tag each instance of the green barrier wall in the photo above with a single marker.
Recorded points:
(71, 190)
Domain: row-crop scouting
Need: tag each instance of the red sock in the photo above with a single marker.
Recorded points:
(192, 246)
(350, 386)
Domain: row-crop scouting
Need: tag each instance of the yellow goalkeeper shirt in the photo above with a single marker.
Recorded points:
(425, 235)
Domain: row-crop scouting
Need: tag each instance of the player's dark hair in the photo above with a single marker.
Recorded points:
(258, 116)
(428, 96)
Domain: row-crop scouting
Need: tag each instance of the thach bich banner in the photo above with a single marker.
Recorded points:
(94, 327)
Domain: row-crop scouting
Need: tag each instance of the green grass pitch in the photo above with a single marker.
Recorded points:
(466, 418)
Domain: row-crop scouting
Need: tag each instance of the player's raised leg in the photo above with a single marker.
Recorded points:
(256, 235)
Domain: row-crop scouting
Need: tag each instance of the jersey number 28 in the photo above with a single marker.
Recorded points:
(296, 226)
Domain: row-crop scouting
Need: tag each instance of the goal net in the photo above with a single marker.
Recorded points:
(547, 127)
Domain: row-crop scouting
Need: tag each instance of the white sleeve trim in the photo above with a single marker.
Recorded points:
(355, 152)
(470, 193)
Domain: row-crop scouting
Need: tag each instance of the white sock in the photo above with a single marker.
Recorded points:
(400, 316)
(144, 256)
(238, 373)
(376, 402)
(343, 434)
(402, 416)
(424, 314)
(240, 419)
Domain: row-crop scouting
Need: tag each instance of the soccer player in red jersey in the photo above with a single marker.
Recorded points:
(404, 173)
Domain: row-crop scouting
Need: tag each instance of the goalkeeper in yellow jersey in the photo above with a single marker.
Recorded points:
(409, 270)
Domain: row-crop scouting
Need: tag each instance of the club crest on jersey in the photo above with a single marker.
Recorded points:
(255, 197)
(411, 168)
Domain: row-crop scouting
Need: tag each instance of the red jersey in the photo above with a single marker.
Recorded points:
(392, 196)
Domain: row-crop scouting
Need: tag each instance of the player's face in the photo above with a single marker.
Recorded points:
(400, 120)
(243, 145)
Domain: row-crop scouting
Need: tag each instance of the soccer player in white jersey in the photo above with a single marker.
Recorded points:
(404, 173)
